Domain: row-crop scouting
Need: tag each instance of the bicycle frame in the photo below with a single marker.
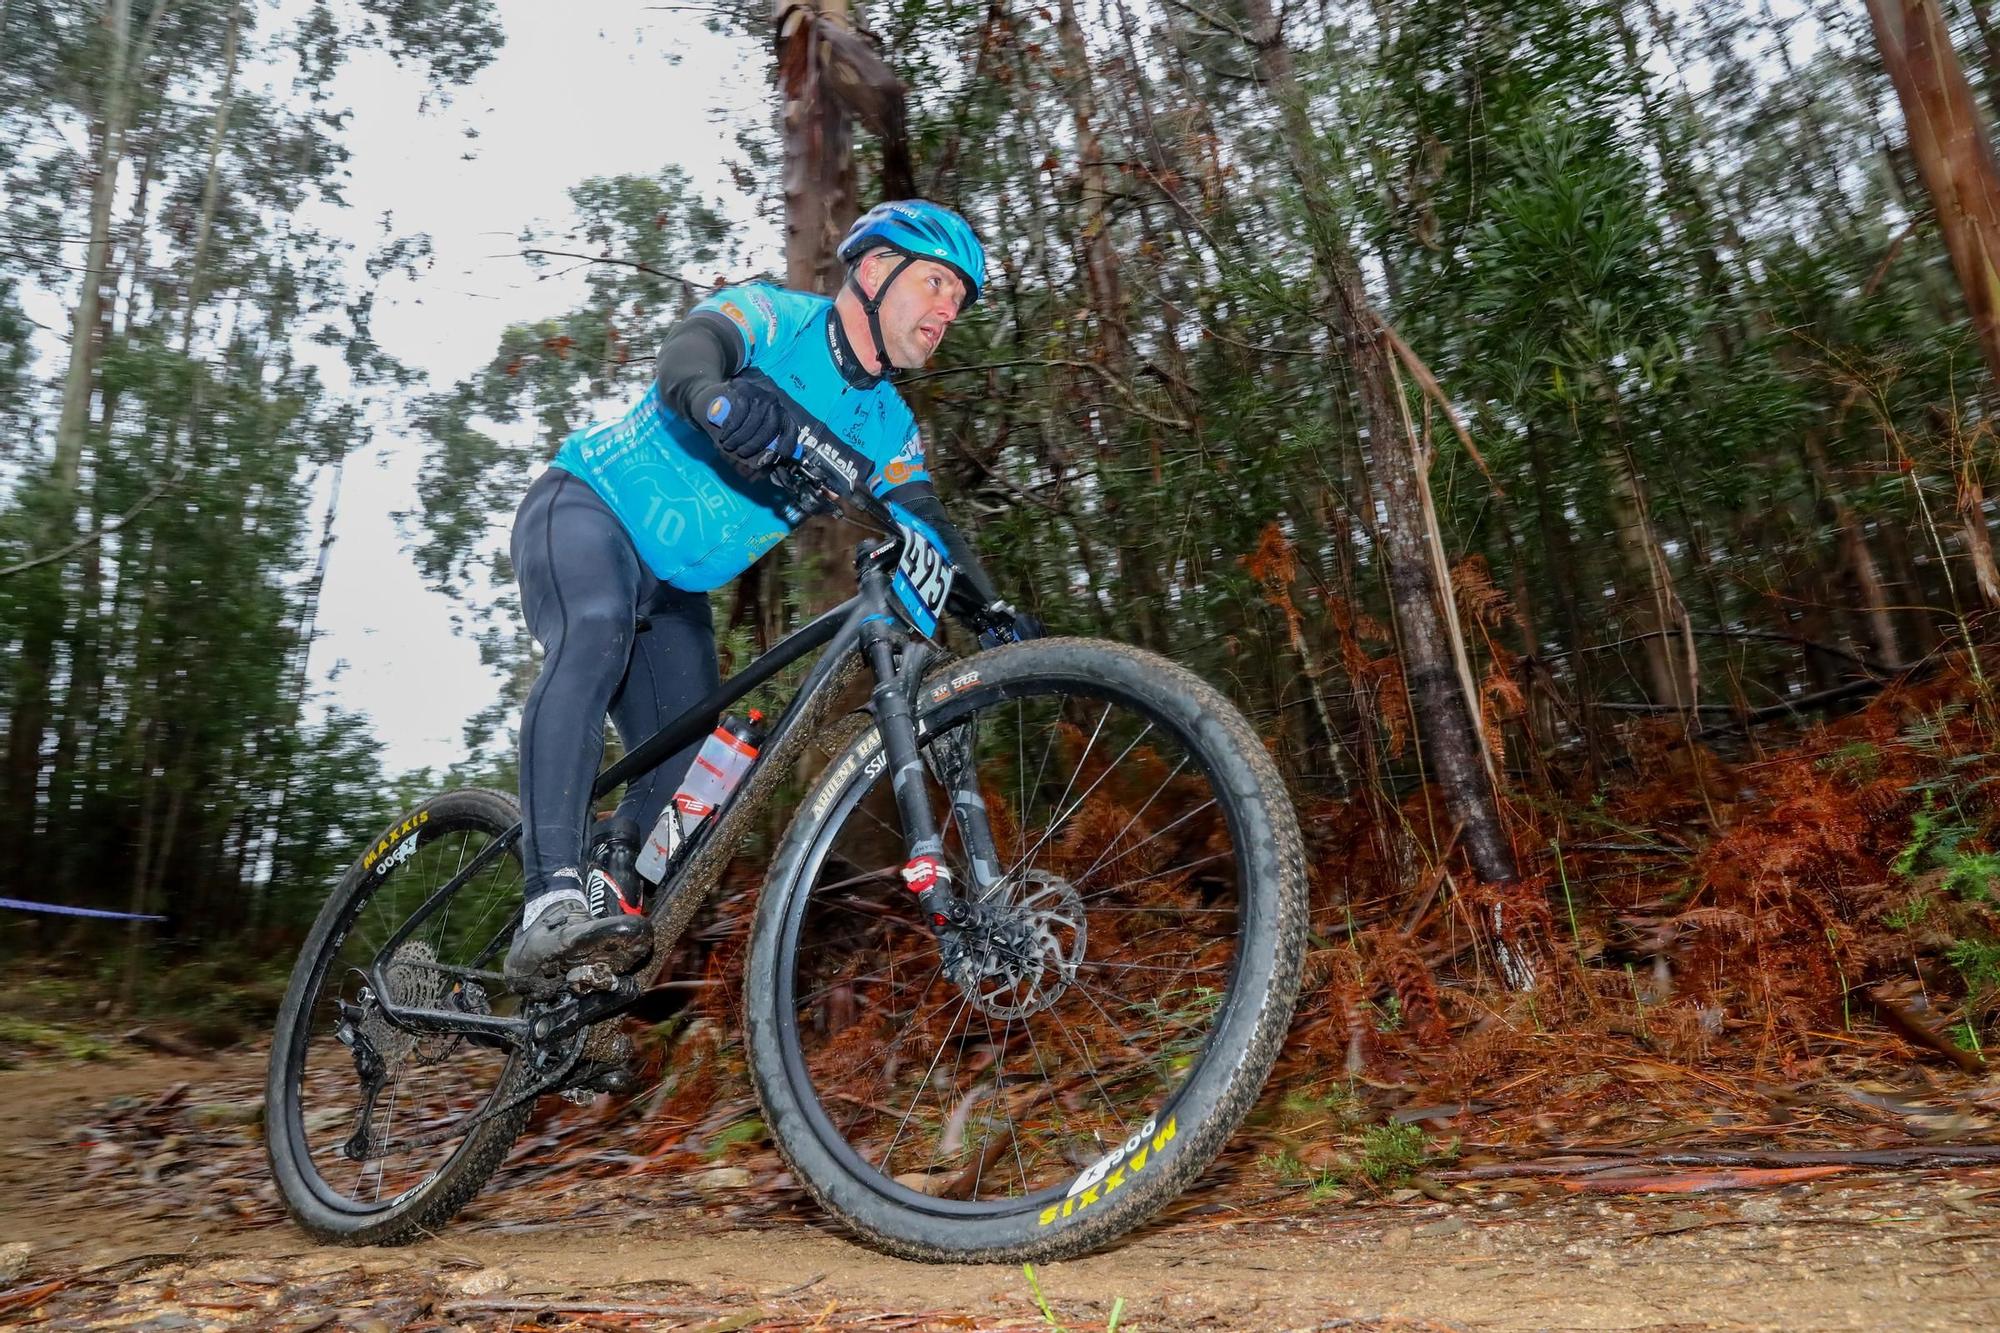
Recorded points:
(866, 625)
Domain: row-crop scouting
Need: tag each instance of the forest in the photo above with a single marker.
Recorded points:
(1562, 428)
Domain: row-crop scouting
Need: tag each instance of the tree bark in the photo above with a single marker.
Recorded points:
(1447, 719)
(1885, 644)
(1953, 153)
(127, 62)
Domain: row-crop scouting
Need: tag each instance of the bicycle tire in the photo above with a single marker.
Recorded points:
(1197, 1115)
(412, 1212)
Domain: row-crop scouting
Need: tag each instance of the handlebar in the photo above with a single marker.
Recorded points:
(813, 483)
(817, 486)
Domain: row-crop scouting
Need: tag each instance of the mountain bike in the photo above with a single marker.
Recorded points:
(1019, 966)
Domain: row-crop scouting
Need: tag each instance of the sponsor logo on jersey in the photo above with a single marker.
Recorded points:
(768, 311)
(741, 320)
(836, 347)
(832, 455)
(908, 460)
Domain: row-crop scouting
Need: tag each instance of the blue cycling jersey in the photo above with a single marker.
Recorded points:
(695, 523)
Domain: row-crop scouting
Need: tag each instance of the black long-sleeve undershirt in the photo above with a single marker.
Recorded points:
(701, 350)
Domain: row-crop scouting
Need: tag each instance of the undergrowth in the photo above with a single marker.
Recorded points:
(1731, 918)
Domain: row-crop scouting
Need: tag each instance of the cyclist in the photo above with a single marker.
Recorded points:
(639, 518)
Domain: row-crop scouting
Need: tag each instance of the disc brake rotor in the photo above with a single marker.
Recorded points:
(1023, 946)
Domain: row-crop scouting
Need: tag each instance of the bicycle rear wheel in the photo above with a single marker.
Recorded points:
(1137, 965)
(374, 1134)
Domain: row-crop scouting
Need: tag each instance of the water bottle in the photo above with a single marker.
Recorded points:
(718, 766)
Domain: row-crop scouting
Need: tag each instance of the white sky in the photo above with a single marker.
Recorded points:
(582, 88)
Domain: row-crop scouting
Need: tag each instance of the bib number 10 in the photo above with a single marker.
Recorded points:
(923, 578)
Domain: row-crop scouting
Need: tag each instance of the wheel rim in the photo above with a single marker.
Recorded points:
(430, 1083)
(952, 1102)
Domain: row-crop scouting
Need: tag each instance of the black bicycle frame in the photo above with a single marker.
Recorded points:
(865, 623)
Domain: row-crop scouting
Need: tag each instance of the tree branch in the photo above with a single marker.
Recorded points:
(622, 263)
(1111, 381)
(100, 534)
(1435, 392)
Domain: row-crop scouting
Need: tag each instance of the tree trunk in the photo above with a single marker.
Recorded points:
(819, 149)
(1558, 550)
(1953, 154)
(211, 192)
(1663, 617)
(1099, 260)
(1904, 588)
(126, 65)
(1978, 542)
(1447, 719)
(820, 204)
(1884, 642)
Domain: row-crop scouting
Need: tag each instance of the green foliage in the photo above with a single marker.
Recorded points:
(1381, 1156)
(1856, 761)
(1914, 912)
(741, 1132)
(454, 39)
(58, 1039)
(1391, 1153)
(1978, 964)
(1937, 842)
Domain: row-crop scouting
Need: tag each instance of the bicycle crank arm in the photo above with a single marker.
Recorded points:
(606, 997)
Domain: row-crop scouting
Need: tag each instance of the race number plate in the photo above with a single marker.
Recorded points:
(923, 576)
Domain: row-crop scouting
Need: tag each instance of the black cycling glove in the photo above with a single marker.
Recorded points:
(1000, 623)
(744, 417)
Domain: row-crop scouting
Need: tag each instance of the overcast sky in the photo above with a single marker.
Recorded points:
(582, 88)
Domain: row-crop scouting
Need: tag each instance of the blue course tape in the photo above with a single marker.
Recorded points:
(20, 905)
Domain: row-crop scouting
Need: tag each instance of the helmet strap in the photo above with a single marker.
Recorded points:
(871, 306)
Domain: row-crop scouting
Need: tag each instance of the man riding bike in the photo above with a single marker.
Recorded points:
(638, 519)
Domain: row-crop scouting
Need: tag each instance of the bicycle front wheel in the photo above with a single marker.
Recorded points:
(1141, 905)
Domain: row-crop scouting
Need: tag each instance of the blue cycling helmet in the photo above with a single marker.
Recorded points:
(918, 229)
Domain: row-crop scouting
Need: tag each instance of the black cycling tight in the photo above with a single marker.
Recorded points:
(583, 588)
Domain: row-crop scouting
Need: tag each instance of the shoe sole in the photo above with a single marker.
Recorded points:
(620, 956)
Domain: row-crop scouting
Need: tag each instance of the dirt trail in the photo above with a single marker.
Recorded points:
(182, 1234)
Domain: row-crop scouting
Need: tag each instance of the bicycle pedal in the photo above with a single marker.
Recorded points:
(606, 1077)
(591, 977)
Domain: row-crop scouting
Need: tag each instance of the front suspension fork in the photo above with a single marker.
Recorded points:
(925, 873)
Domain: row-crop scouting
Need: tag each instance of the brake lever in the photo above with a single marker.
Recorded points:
(817, 494)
